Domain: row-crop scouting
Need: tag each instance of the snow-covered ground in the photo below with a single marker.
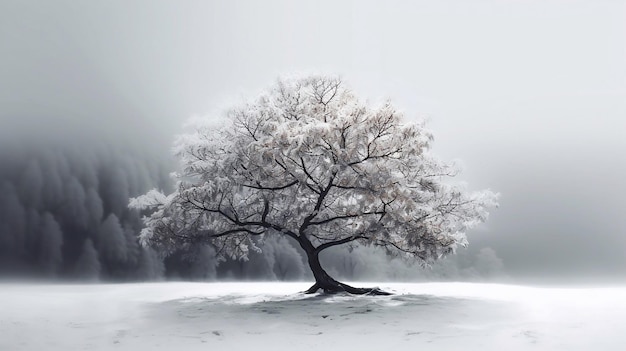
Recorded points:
(274, 316)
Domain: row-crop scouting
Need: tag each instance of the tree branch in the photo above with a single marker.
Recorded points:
(238, 230)
(260, 187)
(346, 217)
(339, 242)
(320, 200)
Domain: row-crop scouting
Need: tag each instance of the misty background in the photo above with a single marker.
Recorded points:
(529, 96)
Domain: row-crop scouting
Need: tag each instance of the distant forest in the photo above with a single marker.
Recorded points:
(64, 215)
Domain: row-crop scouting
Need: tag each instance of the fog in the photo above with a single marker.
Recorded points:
(529, 96)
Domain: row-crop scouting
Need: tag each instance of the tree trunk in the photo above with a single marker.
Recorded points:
(325, 282)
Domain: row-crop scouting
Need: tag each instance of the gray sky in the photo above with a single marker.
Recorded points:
(530, 95)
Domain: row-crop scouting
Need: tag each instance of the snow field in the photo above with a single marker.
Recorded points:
(274, 316)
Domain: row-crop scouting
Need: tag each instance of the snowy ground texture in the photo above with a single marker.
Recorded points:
(274, 316)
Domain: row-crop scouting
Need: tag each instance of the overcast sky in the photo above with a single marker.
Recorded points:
(529, 95)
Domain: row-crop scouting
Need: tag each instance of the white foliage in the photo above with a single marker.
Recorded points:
(152, 198)
(309, 159)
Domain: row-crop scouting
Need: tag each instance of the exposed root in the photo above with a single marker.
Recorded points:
(313, 289)
(337, 287)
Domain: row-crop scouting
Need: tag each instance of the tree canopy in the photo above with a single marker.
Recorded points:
(311, 161)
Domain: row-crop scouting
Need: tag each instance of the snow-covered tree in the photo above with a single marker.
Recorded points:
(310, 161)
(88, 265)
(203, 265)
(50, 245)
(150, 265)
(12, 223)
(74, 188)
(112, 243)
(286, 261)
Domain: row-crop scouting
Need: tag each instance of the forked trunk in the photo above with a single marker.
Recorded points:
(329, 285)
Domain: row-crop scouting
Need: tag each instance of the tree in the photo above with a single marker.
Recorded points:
(285, 259)
(50, 245)
(112, 244)
(310, 161)
(88, 265)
